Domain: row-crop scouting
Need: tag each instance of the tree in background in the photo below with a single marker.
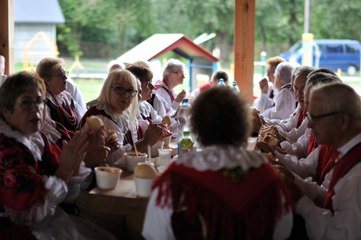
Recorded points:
(336, 19)
(278, 24)
(213, 16)
(106, 29)
(98, 28)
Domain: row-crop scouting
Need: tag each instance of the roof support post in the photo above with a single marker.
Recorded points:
(244, 46)
(7, 34)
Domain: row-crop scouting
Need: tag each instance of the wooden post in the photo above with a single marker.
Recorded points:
(7, 34)
(244, 46)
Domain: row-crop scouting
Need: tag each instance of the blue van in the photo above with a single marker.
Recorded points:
(329, 53)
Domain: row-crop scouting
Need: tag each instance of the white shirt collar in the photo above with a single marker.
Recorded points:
(217, 157)
(35, 143)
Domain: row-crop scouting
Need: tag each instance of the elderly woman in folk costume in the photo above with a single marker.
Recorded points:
(62, 108)
(117, 106)
(35, 179)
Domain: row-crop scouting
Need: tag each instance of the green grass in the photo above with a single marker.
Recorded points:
(89, 88)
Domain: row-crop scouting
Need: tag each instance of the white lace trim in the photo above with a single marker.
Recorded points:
(35, 143)
(217, 157)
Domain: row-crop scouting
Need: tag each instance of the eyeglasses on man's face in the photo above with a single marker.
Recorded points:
(313, 118)
(121, 91)
(29, 102)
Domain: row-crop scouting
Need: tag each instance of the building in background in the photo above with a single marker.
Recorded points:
(201, 62)
(35, 30)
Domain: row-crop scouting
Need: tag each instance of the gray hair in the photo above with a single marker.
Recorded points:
(302, 71)
(284, 72)
(340, 97)
(173, 65)
(315, 78)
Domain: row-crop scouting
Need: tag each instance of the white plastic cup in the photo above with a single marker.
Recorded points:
(131, 160)
(107, 177)
(143, 186)
(164, 156)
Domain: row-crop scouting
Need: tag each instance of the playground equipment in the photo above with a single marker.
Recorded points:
(30, 52)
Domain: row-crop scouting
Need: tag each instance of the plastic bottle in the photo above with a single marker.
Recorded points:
(235, 88)
(183, 113)
(221, 82)
(185, 144)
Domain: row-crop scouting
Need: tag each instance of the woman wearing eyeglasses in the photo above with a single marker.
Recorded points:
(34, 178)
(61, 106)
(117, 106)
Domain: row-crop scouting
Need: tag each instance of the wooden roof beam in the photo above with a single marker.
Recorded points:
(7, 34)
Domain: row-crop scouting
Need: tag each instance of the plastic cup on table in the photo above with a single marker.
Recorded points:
(164, 156)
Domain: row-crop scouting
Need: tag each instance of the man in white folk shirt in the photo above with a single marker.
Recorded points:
(166, 98)
(335, 119)
(268, 91)
(284, 100)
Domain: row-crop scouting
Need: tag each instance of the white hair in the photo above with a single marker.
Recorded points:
(284, 72)
(173, 65)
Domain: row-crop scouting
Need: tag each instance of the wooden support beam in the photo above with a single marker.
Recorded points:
(245, 11)
(7, 34)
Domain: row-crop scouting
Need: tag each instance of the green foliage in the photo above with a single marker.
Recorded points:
(337, 19)
(109, 28)
(278, 22)
(68, 40)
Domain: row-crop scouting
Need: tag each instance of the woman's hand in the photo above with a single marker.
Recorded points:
(72, 154)
(154, 133)
(180, 96)
(97, 152)
(96, 156)
(111, 141)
